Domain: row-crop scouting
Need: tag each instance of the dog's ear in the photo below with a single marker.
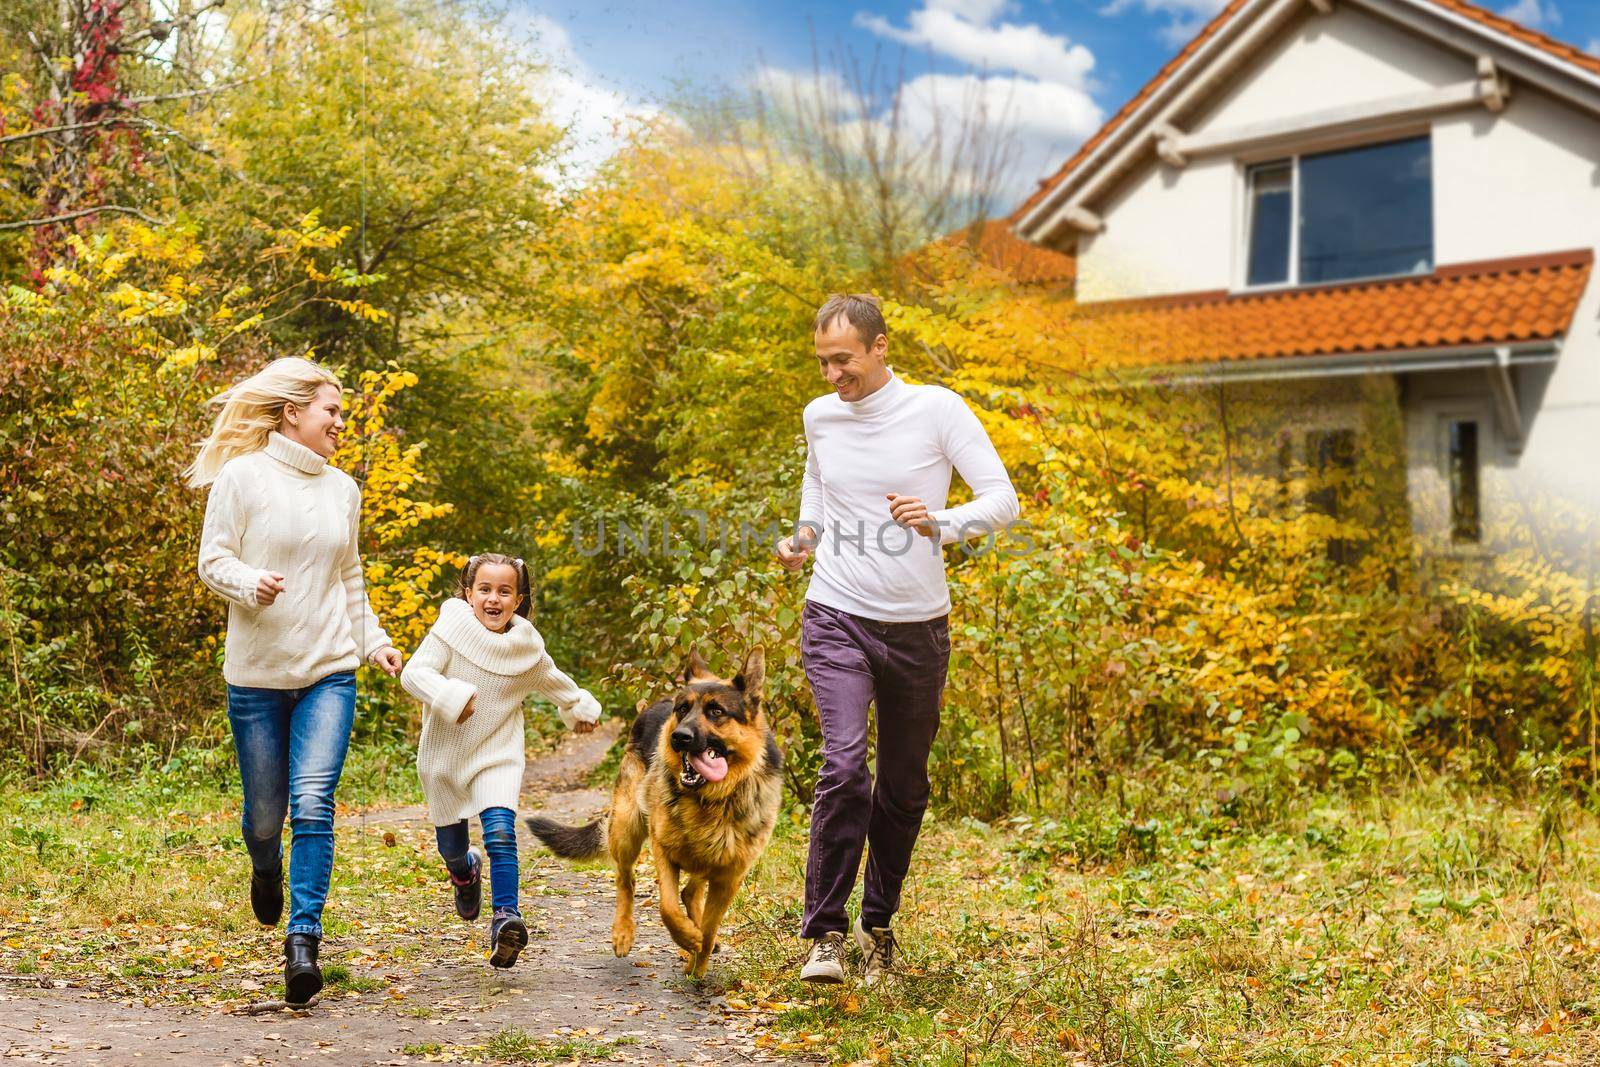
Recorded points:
(695, 669)
(751, 676)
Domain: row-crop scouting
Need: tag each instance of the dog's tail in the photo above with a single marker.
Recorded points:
(570, 842)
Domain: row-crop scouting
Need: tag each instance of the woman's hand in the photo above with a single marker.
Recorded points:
(466, 710)
(388, 657)
(268, 586)
(581, 727)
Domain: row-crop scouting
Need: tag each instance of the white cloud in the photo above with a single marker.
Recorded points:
(1047, 120)
(598, 117)
(1038, 111)
(981, 42)
(1536, 13)
(1594, 46)
(1187, 16)
(1023, 80)
(809, 91)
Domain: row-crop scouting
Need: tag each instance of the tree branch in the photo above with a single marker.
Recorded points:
(161, 98)
(167, 26)
(116, 120)
(23, 224)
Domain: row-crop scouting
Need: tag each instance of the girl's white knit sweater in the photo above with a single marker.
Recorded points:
(466, 767)
(285, 509)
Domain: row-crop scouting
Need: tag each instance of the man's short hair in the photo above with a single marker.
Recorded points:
(862, 310)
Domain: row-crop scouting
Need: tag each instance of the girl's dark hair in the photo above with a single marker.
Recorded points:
(469, 573)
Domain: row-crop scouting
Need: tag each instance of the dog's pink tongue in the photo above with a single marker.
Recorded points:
(712, 767)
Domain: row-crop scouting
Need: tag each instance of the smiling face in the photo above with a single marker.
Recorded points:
(318, 425)
(852, 367)
(493, 594)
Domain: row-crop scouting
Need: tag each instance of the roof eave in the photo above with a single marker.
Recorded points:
(1474, 356)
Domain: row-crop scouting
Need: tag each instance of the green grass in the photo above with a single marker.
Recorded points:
(1421, 926)
(1146, 924)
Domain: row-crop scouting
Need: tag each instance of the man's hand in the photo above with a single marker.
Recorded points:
(388, 657)
(794, 550)
(909, 511)
(268, 586)
(581, 727)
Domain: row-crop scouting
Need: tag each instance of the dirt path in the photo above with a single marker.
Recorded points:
(568, 997)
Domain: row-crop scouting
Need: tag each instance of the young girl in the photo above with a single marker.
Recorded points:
(472, 672)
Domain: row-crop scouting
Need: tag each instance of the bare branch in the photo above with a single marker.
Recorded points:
(23, 224)
(160, 29)
(161, 98)
(115, 120)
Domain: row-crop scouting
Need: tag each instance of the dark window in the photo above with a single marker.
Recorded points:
(1357, 213)
(1366, 212)
(1330, 463)
(1271, 209)
(1466, 520)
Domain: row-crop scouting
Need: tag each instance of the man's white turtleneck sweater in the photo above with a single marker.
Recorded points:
(285, 509)
(903, 439)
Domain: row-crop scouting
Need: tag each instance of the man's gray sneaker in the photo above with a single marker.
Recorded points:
(878, 951)
(823, 965)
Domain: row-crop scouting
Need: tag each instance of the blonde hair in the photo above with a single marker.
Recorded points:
(252, 409)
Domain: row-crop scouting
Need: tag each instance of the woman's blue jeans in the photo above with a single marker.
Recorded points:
(291, 745)
(499, 841)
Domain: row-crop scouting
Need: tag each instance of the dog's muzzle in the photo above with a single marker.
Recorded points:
(703, 759)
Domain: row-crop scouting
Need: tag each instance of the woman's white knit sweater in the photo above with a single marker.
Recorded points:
(466, 767)
(284, 509)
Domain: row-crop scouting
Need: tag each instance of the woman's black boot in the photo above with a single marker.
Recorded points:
(266, 896)
(302, 978)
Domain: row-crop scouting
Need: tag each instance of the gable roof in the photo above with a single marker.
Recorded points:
(1483, 304)
(1555, 49)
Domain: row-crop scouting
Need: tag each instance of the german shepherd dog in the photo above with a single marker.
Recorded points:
(702, 779)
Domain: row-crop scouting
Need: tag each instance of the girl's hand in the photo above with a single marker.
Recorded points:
(583, 727)
(388, 657)
(466, 711)
(268, 586)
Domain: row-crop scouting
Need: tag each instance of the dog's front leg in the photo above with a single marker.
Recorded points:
(718, 897)
(683, 931)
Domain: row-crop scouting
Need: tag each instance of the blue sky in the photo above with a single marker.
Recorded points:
(1061, 66)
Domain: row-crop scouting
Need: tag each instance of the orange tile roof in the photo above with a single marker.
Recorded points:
(1560, 49)
(1488, 303)
(1026, 264)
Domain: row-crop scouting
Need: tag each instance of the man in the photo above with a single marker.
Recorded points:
(875, 628)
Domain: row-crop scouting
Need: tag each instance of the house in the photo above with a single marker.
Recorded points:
(1316, 192)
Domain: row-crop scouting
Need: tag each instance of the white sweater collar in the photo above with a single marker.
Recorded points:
(513, 651)
(294, 454)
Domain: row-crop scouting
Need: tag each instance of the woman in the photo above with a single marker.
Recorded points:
(279, 544)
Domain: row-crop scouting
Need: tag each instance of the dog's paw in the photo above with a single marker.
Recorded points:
(622, 939)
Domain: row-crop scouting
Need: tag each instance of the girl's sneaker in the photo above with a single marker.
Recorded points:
(508, 936)
(469, 890)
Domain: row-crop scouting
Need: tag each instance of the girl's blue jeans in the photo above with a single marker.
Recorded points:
(499, 841)
(291, 745)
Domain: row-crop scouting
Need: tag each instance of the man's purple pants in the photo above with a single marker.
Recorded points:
(852, 662)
